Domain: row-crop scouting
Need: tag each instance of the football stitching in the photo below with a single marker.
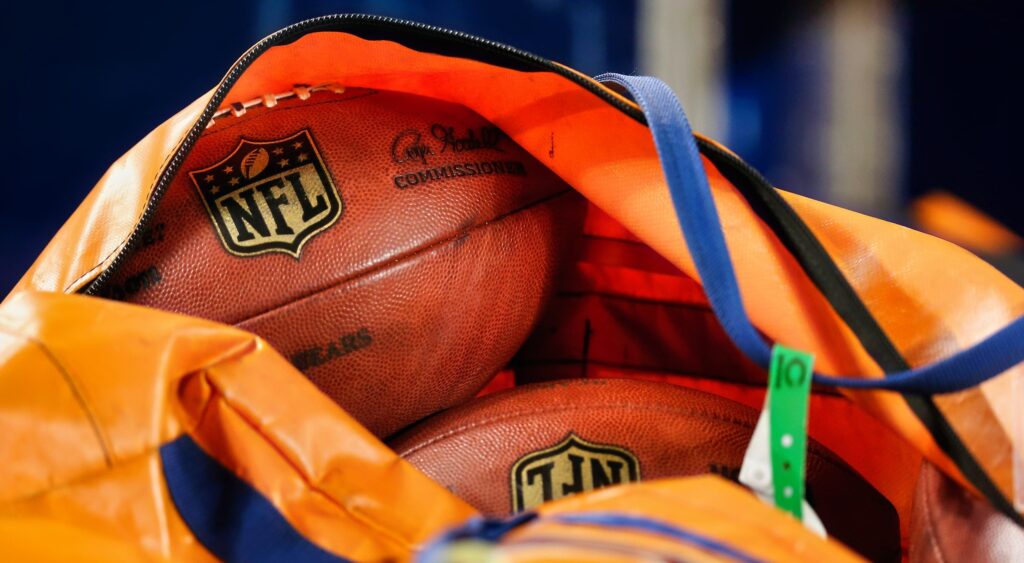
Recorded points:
(820, 452)
(409, 255)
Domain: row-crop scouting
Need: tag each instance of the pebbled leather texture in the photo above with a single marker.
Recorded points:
(416, 295)
(949, 524)
(672, 431)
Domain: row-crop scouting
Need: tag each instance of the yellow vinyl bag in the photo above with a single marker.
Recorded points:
(132, 433)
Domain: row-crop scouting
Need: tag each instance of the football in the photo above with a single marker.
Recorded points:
(513, 450)
(396, 248)
(950, 523)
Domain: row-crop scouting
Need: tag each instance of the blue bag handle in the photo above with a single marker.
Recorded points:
(702, 230)
(229, 517)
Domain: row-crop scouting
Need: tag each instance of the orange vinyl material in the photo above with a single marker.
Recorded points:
(644, 319)
(90, 389)
(707, 506)
(932, 297)
(945, 215)
(87, 485)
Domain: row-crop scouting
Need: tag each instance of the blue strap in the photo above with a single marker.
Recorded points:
(229, 517)
(485, 529)
(702, 230)
(650, 525)
(493, 529)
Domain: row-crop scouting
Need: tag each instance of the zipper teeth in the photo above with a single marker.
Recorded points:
(171, 170)
(176, 161)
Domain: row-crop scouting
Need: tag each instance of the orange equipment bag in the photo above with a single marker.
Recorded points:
(131, 433)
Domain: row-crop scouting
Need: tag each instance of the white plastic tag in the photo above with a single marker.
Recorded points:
(756, 472)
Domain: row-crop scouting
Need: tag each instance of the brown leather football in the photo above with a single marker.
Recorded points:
(396, 248)
(951, 524)
(510, 451)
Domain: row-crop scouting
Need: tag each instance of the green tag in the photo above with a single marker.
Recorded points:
(789, 383)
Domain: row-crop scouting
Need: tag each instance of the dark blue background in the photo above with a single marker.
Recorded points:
(84, 82)
(960, 110)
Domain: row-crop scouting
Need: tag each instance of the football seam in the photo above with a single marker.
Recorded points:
(554, 409)
(931, 525)
(820, 451)
(262, 111)
(408, 255)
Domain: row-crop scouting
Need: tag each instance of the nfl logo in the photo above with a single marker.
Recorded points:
(572, 466)
(269, 196)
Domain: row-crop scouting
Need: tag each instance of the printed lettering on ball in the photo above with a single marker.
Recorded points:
(269, 196)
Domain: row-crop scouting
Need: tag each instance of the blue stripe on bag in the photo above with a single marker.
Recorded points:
(698, 217)
(228, 516)
(480, 528)
(493, 530)
(644, 524)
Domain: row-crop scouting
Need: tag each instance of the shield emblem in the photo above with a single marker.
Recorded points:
(269, 196)
(571, 466)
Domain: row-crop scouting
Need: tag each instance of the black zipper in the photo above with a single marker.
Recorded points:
(759, 193)
(347, 22)
(433, 38)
